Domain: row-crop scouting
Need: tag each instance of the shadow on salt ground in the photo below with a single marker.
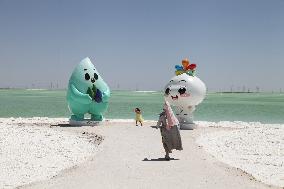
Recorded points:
(158, 159)
(154, 127)
(65, 125)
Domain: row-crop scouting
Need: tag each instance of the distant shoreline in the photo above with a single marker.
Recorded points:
(238, 92)
(149, 91)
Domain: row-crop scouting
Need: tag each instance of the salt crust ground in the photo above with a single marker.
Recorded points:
(256, 148)
(29, 153)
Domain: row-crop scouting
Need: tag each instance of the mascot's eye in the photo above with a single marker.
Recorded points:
(167, 92)
(96, 76)
(87, 76)
(182, 90)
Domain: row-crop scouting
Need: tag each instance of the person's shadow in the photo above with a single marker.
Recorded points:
(159, 159)
(154, 127)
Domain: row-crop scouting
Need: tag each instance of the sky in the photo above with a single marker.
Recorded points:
(236, 44)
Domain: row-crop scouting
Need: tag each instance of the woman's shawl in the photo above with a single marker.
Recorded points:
(171, 118)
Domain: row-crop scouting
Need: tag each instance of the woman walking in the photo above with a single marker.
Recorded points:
(168, 125)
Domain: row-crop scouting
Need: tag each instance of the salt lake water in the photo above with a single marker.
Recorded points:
(261, 107)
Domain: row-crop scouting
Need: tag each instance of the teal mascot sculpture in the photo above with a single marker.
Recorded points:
(87, 92)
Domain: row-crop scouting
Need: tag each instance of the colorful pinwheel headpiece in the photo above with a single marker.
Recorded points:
(186, 67)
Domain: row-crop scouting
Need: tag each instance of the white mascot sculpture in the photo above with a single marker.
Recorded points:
(185, 91)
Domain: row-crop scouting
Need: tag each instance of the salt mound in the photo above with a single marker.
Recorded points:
(256, 148)
(30, 153)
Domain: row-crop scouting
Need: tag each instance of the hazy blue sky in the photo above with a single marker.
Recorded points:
(138, 43)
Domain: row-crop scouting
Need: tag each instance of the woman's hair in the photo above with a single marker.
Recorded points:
(137, 109)
(162, 113)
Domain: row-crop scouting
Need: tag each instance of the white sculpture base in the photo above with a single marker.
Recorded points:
(188, 126)
(185, 117)
(86, 122)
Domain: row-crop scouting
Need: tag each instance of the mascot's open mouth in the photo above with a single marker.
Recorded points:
(174, 97)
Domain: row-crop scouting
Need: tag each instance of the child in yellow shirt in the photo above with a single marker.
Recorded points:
(138, 116)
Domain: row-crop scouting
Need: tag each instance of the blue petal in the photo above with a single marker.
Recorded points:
(178, 67)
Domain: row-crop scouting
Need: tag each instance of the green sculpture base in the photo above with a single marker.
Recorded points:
(85, 122)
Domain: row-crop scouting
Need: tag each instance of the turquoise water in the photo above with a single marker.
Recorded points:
(263, 107)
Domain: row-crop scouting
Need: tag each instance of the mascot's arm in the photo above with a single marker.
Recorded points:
(191, 108)
(179, 111)
(106, 95)
(78, 96)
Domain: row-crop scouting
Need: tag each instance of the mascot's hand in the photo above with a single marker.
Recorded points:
(84, 99)
(88, 98)
(105, 96)
(79, 97)
(191, 108)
